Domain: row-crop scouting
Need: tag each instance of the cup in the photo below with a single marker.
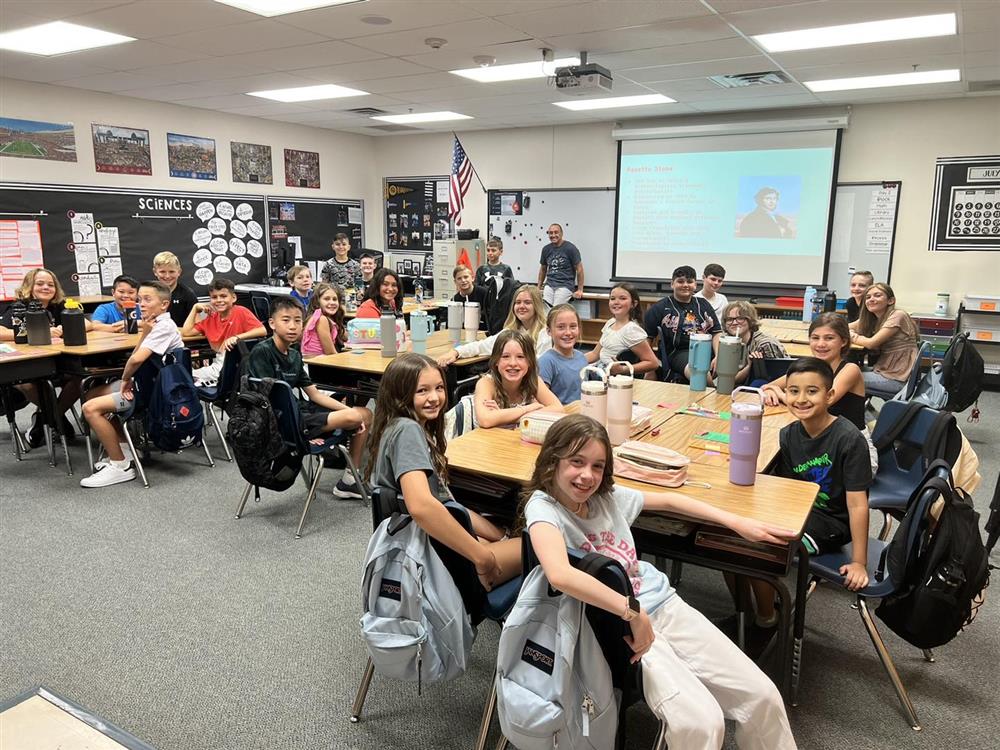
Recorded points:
(744, 436)
(731, 358)
(699, 360)
(594, 394)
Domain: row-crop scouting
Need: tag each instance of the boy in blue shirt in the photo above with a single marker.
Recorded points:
(560, 366)
(111, 315)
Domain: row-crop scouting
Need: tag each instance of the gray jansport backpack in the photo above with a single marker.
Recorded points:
(553, 683)
(414, 625)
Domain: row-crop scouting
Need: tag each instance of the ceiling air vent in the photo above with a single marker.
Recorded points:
(741, 80)
(392, 128)
(991, 86)
(367, 111)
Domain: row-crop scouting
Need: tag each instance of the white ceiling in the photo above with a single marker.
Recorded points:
(199, 53)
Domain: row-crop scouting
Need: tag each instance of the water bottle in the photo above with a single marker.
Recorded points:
(699, 360)
(456, 316)
(387, 333)
(18, 324)
(620, 406)
(74, 325)
(807, 304)
(732, 354)
(471, 321)
(38, 324)
(744, 436)
(418, 291)
(421, 326)
(830, 301)
(594, 394)
(818, 297)
(131, 317)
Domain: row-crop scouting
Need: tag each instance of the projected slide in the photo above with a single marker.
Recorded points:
(700, 200)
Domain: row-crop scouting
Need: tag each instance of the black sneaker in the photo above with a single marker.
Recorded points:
(347, 491)
(36, 433)
(758, 639)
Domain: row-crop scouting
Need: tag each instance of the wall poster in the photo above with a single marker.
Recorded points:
(966, 213)
(416, 212)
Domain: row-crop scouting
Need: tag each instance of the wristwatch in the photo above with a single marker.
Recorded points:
(631, 610)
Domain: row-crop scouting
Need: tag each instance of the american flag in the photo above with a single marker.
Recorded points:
(461, 178)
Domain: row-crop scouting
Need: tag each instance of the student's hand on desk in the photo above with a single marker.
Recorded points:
(756, 531)
(230, 343)
(118, 327)
(446, 359)
(577, 294)
(57, 332)
(771, 397)
(855, 576)
(642, 636)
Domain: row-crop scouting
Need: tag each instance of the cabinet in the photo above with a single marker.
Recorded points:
(983, 327)
(446, 254)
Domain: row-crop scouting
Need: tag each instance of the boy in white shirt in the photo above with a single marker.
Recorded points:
(158, 335)
(712, 279)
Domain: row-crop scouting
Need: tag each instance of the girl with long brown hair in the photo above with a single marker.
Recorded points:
(890, 333)
(511, 388)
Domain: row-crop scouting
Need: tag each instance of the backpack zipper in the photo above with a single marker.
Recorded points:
(587, 710)
(420, 658)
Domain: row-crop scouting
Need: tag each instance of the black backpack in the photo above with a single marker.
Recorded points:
(942, 583)
(962, 373)
(944, 439)
(174, 414)
(498, 303)
(263, 457)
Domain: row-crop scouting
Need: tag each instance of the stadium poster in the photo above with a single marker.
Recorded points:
(251, 163)
(191, 156)
(121, 150)
(301, 168)
(34, 139)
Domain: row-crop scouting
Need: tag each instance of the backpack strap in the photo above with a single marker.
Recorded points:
(897, 429)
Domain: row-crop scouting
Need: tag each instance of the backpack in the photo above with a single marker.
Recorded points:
(962, 373)
(415, 624)
(174, 414)
(941, 585)
(943, 438)
(553, 683)
(499, 295)
(263, 457)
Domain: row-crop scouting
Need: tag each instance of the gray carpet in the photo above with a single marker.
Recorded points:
(158, 611)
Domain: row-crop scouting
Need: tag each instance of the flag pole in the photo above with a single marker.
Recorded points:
(478, 179)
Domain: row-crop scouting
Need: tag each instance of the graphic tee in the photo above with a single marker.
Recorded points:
(678, 320)
(560, 265)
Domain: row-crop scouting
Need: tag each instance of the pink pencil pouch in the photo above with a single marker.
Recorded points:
(650, 463)
(536, 424)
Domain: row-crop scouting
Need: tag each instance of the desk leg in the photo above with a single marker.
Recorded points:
(784, 634)
(801, 586)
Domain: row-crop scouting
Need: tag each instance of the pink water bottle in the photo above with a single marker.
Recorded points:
(620, 405)
(594, 394)
(744, 436)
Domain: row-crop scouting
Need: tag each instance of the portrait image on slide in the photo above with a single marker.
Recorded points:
(768, 206)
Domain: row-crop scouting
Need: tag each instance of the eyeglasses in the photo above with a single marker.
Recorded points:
(740, 319)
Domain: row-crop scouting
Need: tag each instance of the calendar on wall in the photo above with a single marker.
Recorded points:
(966, 204)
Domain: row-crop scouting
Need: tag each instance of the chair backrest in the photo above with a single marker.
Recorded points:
(229, 374)
(911, 431)
(286, 410)
(260, 305)
(627, 355)
(769, 369)
(464, 388)
(919, 512)
(914, 377)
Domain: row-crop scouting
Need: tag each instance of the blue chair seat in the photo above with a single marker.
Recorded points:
(891, 489)
(828, 567)
(500, 600)
(330, 443)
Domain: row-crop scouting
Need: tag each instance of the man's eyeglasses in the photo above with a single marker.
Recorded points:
(740, 319)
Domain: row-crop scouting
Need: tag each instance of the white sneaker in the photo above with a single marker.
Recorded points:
(107, 461)
(107, 475)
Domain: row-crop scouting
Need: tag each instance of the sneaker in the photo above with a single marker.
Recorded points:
(107, 475)
(36, 434)
(347, 491)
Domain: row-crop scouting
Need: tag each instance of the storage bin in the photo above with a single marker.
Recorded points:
(982, 303)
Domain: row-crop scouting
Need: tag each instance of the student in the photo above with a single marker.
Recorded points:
(510, 388)
(407, 442)
(892, 334)
(829, 451)
(559, 368)
(560, 269)
(693, 676)
(111, 315)
(623, 333)
(740, 319)
(319, 414)
(675, 317)
(712, 279)
(158, 335)
(326, 329)
(493, 268)
(467, 291)
(860, 281)
(527, 313)
(830, 341)
(367, 263)
(300, 279)
(341, 270)
(42, 286)
(167, 269)
(224, 325)
(384, 293)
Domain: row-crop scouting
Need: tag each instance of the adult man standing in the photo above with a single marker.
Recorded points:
(560, 275)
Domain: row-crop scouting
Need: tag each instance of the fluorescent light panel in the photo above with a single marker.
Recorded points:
(517, 71)
(886, 81)
(891, 30)
(616, 101)
(57, 38)
(281, 7)
(308, 93)
(422, 117)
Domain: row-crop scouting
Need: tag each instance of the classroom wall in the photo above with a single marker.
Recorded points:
(897, 141)
(345, 158)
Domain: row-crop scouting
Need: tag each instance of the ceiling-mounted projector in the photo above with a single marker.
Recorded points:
(583, 80)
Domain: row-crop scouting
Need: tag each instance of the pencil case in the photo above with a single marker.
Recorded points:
(650, 463)
(642, 418)
(535, 425)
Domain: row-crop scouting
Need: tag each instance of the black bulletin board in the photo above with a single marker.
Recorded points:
(316, 221)
(211, 233)
(420, 201)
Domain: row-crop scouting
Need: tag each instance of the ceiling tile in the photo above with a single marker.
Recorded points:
(15, 19)
(988, 73)
(56, 9)
(493, 8)
(147, 19)
(419, 82)
(110, 82)
(848, 69)
(732, 66)
(305, 56)
(601, 15)
(242, 38)
(345, 22)
(199, 70)
(138, 54)
(45, 69)
(720, 49)
(832, 13)
(386, 67)
(218, 101)
(505, 54)
(743, 94)
(175, 91)
(913, 50)
(681, 31)
(731, 6)
(767, 102)
(469, 35)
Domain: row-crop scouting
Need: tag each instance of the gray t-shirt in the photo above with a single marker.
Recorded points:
(560, 265)
(606, 531)
(403, 448)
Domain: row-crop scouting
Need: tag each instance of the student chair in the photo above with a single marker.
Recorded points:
(479, 603)
(911, 381)
(908, 437)
(260, 306)
(286, 409)
(768, 370)
(11, 402)
(826, 567)
(667, 375)
(218, 395)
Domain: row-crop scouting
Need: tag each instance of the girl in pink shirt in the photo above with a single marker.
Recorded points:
(325, 331)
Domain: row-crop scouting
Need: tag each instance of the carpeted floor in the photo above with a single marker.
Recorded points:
(160, 612)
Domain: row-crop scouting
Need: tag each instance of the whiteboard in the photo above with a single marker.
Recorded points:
(587, 216)
(863, 233)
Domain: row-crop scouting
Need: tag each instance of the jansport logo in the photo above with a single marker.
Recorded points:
(390, 589)
(538, 656)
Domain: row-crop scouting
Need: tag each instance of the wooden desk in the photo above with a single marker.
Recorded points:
(26, 363)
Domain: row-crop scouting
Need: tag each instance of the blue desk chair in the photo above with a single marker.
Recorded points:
(906, 392)
(479, 603)
(218, 395)
(286, 409)
(881, 584)
(767, 370)
(667, 375)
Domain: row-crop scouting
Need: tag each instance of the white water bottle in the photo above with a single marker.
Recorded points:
(807, 304)
(594, 395)
(620, 406)
(471, 321)
(456, 311)
(387, 331)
